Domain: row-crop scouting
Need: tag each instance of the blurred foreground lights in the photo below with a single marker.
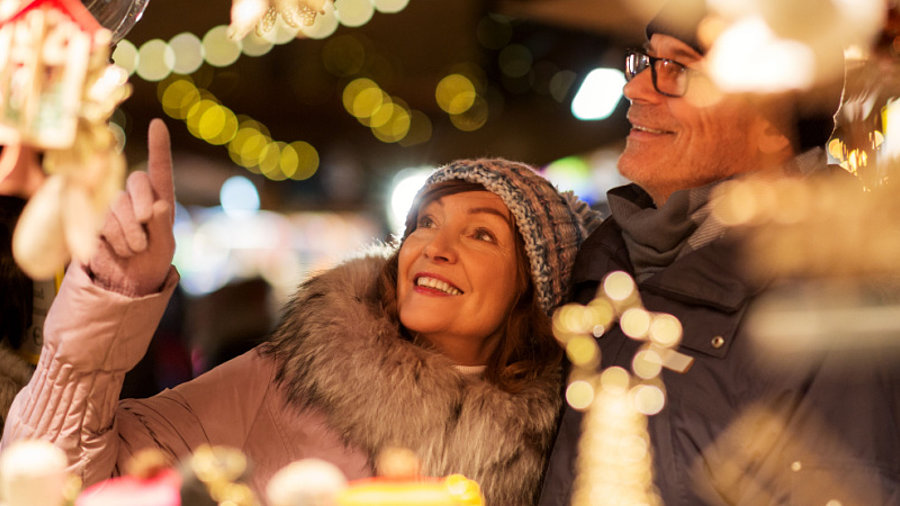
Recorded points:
(599, 94)
(749, 57)
(239, 196)
(580, 394)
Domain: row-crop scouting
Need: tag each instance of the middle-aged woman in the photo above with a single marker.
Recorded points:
(442, 346)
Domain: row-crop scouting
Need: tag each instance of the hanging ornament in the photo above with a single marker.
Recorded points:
(57, 92)
(263, 14)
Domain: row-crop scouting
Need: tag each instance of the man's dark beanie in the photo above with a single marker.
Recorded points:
(814, 110)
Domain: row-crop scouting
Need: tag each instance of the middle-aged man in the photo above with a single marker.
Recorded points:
(733, 431)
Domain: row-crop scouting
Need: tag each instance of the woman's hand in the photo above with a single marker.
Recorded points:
(137, 243)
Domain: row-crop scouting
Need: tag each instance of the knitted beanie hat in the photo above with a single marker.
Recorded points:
(552, 224)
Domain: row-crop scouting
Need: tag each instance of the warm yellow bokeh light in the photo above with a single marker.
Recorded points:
(219, 48)
(580, 394)
(126, 56)
(615, 379)
(178, 97)
(619, 286)
(382, 114)
(155, 60)
(474, 118)
(195, 113)
(420, 129)
(648, 399)
(307, 160)
(353, 89)
(367, 102)
(270, 161)
(635, 323)
(647, 364)
(455, 94)
(582, 351)
(665, 330)
(396, 128)
(251, 149)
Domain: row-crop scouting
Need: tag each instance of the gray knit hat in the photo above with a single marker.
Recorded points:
(552, 224)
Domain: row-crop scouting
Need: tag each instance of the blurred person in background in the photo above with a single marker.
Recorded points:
(441, 345)
(818, 435)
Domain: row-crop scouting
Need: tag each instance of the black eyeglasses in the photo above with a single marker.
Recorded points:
(670, 78)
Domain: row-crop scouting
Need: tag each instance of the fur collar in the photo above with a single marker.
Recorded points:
(338, 351)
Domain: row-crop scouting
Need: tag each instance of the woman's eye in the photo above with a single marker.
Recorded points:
(484, 235)
(424, 222)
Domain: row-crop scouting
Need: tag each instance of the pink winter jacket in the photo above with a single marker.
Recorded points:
(334, 381)
(93, 337)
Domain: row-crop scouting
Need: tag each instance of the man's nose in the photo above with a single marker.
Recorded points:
(441, 248)
(640, 87)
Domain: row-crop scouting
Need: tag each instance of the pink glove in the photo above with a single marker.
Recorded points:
(137, 243)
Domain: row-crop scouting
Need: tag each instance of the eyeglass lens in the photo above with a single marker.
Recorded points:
(669, 77)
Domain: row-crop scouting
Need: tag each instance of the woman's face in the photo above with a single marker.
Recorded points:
(457, 274)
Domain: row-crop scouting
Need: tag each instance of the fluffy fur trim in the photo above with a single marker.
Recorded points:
(338, 351)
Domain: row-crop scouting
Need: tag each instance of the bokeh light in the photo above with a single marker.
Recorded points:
(220, 50)
(354, 13)
(188, 50)
(474, 118)
(255, 45)
(307, 160)
(155, 60)
(324, 26)
(406, 184)
(599, 94)
(420, 129)
(390, 6)
(239, 196)
(126, 56)
(580, 394)
(455, 94)
(515, 60)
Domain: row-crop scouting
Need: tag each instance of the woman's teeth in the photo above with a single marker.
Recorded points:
(437, 284)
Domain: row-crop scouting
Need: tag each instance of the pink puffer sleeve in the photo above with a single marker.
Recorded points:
(92, 337)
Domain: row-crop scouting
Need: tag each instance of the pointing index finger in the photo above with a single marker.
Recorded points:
(159, 161)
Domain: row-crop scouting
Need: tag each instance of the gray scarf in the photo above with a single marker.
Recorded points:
(656, 237)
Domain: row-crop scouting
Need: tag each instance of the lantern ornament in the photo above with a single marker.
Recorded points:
(57, 92)
(262, 14)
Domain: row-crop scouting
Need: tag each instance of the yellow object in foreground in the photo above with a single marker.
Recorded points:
(455, 490)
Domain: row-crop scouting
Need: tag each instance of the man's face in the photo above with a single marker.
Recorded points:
(685, 142)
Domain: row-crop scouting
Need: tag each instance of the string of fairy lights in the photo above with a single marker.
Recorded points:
(461, 93)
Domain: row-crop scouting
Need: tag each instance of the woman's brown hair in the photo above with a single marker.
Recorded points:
(527, 348)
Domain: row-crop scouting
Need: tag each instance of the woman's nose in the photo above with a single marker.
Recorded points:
(441, 248)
